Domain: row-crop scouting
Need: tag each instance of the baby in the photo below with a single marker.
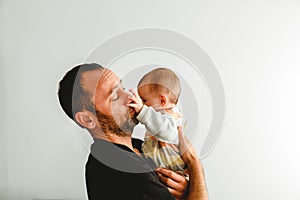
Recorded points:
(155, 104)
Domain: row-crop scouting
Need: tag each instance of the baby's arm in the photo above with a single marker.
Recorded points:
(162, 126)
(136, 101)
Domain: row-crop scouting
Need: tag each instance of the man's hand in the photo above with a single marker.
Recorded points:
(176, 183)
(136, 101)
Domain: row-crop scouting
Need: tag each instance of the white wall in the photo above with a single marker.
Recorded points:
(255, 46)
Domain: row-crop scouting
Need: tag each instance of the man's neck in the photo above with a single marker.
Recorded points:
(114, 138)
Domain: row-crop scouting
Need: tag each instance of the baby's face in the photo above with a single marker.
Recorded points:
(149, 97)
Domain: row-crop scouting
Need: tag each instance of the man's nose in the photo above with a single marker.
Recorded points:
(127, 94)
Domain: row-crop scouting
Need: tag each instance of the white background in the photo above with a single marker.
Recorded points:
(255, 46)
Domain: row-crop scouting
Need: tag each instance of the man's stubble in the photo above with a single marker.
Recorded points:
(108, 124)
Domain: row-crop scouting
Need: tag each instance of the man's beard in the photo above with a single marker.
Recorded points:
(108, 125)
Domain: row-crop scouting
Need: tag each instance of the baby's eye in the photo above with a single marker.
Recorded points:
(144, 101)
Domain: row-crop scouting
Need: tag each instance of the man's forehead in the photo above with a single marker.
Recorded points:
(108, 79)
(103, 79)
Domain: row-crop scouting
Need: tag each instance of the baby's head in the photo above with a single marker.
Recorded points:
(159, 88)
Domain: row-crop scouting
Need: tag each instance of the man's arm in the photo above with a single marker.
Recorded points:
(177, 184)
(197, 186)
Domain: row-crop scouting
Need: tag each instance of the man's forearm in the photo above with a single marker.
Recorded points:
(197, 186)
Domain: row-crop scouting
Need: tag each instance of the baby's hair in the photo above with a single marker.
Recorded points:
(163, 80)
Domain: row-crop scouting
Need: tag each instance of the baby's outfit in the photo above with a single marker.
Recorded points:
(161, 139)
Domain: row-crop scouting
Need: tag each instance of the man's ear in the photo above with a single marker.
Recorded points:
(85, 119)
(163, 99)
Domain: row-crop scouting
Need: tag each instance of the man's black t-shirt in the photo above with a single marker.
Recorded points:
(114, 171)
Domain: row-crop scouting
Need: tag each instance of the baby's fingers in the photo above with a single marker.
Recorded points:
(132, 105)
(133, 92)
(132, 98)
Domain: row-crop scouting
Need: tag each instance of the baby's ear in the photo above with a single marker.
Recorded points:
(163, 99)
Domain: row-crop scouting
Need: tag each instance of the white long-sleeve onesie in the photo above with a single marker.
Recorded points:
(160, 124)
(162, 148)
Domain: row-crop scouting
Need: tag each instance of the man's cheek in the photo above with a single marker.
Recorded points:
(104, 106)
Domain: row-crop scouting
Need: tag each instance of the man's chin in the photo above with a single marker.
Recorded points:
(135, 121)
(133, 115)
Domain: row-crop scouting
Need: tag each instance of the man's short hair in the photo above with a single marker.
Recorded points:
(72, 97)
(163, 80)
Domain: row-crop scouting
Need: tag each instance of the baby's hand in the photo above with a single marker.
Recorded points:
(136, 101)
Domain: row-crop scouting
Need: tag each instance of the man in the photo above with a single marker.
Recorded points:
(95, 99)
